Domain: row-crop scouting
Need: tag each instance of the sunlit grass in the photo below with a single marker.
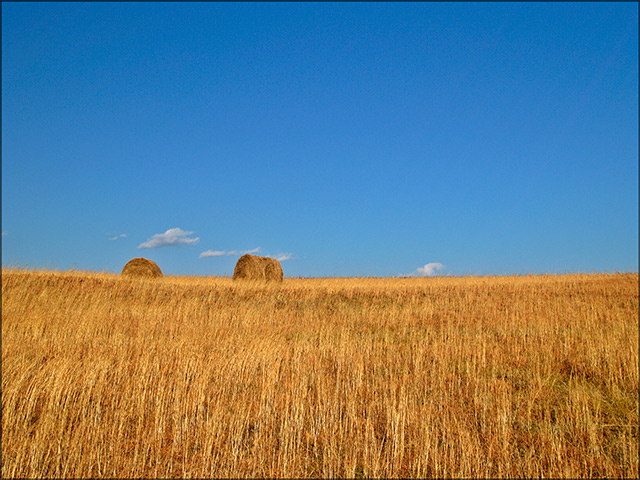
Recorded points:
(522, 376)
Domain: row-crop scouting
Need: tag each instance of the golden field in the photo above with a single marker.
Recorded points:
(526, 376)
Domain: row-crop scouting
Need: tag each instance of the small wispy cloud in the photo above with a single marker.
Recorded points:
(221, 253)
(122, 235)
(173, 236)
(4, 234)
(281, 257)
(213, 253)
(429, 269)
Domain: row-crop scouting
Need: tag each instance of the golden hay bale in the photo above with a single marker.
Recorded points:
(253, 267)
(141, 267)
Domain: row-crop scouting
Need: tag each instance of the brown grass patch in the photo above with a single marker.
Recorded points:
(490, 377)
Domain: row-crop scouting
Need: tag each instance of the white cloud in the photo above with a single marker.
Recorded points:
(220, 253)
(429, 269)
(118, 236)
(4, 234)
(213, 253)
(281, 257)
(173, 236)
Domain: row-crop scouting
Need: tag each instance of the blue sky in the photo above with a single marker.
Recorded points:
(363, 139)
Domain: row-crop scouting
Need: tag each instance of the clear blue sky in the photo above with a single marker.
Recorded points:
(363, 139)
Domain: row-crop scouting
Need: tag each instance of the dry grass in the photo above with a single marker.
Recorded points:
(107, 376)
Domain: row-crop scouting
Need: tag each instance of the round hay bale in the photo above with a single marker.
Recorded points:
(253, 267)
(141, 267)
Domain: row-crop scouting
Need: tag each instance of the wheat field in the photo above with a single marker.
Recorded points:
(524, 376)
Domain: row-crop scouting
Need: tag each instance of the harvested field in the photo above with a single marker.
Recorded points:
(110, 376)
